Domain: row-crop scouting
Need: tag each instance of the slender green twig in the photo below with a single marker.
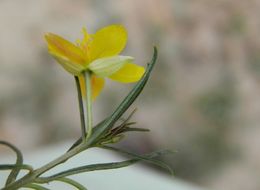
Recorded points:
(29, 178)
(81, 110)
(19, 161)
(88, 104)
(12, 166)
(73, 183)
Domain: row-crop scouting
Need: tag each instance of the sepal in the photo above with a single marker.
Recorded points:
(107, 66)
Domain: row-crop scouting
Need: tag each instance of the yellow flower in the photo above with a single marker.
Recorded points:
(97, 53)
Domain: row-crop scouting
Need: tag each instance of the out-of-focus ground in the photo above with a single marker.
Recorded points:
(203, 98)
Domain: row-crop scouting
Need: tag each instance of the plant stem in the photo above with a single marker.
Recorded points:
(88, 110)
(86, 120)
(81, 110)
(29, 178)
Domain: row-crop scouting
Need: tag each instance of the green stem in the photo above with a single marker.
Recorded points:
(19, 161)
(12, 166)
(88, 110)
(29, 178)
(72, 183)
(81, 110)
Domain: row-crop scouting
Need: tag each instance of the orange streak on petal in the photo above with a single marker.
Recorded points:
(96, 83)
(61, 47)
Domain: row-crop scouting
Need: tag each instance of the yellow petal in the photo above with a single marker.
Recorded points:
(128, 73)
(60, 47)
(108, 41)
(96, 83)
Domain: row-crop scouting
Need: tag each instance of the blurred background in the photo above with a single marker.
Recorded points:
(203, 98)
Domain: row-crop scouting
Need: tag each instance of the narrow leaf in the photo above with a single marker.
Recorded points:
(123, 125)
(87, 168)
(19, 161)
(129, 129)
(80, 139)
(143, 158)
(126, 129)
(72, 182)
(126, 103)
(96, 167)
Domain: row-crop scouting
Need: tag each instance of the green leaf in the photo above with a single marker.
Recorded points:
(87, 168)
(19, 161)
(123, 125)
(96, 167)
(73, 183)
(36, 187)
(143, 158)
(134, 129)
(80, 139)
(126, 103)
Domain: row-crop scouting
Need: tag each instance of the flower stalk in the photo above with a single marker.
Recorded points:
(88, 110)
(30, 178)
(81, 110)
